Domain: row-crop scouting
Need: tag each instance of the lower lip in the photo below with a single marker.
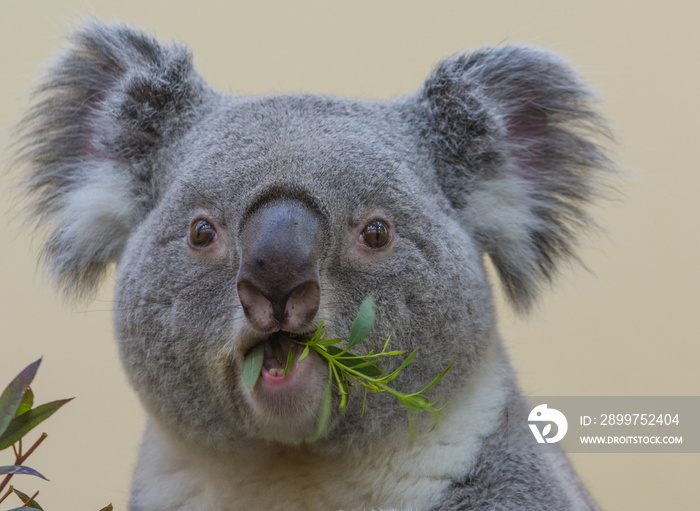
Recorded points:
(277, 380)
(288, 381)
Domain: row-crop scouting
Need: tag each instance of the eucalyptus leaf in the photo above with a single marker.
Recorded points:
(334, 350)
(367, 369)
(416, 402)
(290, 360)
(324, 414)
(343, 389)
(304, 353)
(20, 469)
(358, 363)
(347, 369)
(407, 361)
(12, 397)
(252, 364)
(23, 424)
(278, 351)
(27, 402)
(318, 334)
(439, 377)
(25, 498)
(364, 321)
(328, 342)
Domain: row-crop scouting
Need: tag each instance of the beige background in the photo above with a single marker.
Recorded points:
(625, 328)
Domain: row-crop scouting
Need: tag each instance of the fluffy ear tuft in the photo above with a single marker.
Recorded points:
(105, 113)
(515, 133)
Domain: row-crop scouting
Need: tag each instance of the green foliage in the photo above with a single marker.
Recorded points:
(364, 321)
(17, 418)
(28, 501)
(347, 369)
(324, 415)
(252, 366)
(19, 469)
(25, 422)
(13, 398)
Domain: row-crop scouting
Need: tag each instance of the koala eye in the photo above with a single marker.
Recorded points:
(376, 234)
(202, 233)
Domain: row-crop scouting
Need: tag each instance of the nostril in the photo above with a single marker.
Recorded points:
(290, 311)
(257, 308)
(301, 306)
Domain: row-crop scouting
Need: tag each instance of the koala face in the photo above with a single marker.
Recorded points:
(292, 183)
(239, 220)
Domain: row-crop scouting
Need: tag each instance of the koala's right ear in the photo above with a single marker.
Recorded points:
(517, 145)
(93, 139)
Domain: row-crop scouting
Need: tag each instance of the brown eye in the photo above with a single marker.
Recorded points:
(202, 233)
(376, 234)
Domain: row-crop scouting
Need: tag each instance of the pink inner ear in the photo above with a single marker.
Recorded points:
(527, 131)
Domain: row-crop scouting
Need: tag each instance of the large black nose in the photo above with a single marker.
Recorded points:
(278, 283)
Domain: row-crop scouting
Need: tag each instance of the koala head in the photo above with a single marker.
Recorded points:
(236, 220)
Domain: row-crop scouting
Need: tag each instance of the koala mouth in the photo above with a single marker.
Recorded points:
(277, 352)
(277, 349)
(285, 407)
(287, 396)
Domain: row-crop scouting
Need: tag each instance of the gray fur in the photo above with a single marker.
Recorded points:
(497, 154)
(109, 105)
(500, 112)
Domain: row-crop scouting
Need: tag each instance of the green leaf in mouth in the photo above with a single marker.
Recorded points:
(290, 360)
(252, 364)
(348, 369)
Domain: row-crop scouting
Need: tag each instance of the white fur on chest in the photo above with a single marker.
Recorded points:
(388, 475)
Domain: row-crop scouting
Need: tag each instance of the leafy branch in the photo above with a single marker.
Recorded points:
(17, 418)
(347, 369)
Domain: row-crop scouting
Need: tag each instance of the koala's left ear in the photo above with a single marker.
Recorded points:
(96, 143)
(513, 133)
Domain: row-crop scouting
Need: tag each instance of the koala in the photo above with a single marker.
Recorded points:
(238, 220)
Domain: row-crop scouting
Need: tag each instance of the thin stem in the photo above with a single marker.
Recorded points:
(335, 373)
(346, 368)
(7, 494)
(20, 459)
(5, 481)
(32, 448)
(31, 499)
